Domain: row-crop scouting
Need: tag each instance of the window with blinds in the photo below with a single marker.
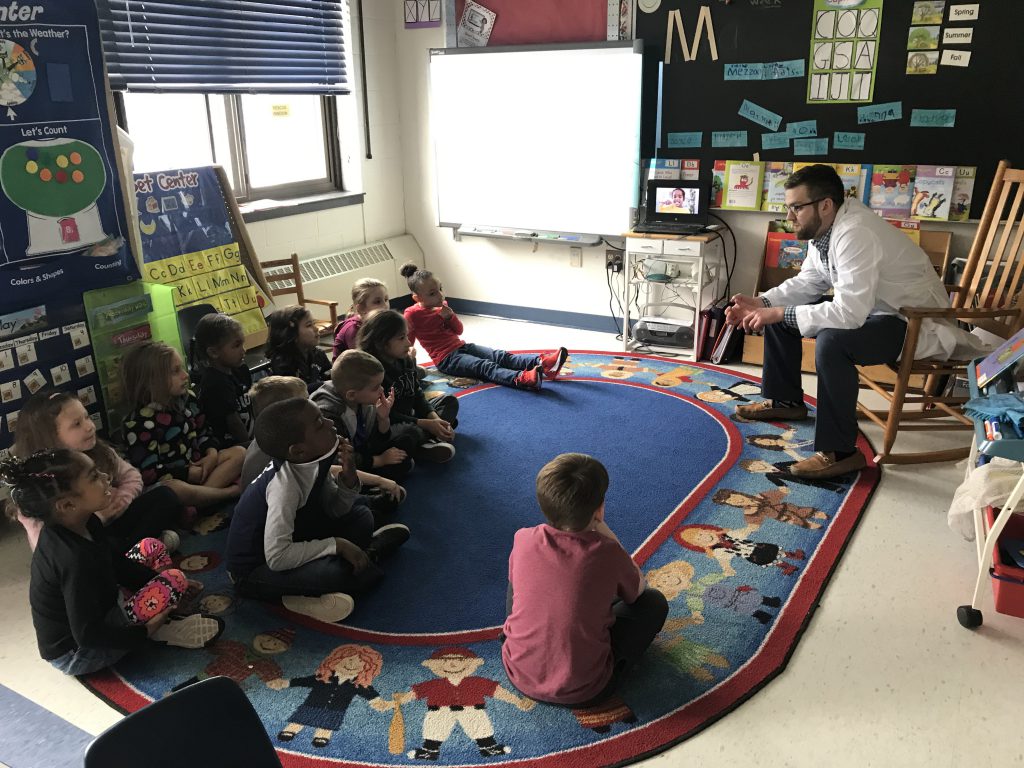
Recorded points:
(225, 46)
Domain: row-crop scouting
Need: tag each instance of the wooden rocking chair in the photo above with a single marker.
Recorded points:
(285, 277)
(988, 297)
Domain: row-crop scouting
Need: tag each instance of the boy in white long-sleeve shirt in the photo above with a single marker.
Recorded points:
(298, 534)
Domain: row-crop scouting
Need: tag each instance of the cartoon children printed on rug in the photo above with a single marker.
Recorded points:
(738, 390)
(682, 375)
(347, 672)
(601, 717)
(199, 562)
(457, 697)
(722, 545)
(769, 504)
(207, 524)
(240, 662)
(783, 442)
(218, 603)
(778, 474)
(623, 368)
(693, 659)
(676, 578)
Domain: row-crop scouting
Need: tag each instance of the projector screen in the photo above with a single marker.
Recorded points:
(537, 138)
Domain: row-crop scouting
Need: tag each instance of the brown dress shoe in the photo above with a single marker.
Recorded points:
(823, 465)
(765, 411)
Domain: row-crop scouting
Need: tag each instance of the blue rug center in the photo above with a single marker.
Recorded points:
(452, 574)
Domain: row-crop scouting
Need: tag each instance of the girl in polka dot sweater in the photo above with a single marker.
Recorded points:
(166, 436)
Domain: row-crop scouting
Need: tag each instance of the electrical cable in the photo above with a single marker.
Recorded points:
(729, 270)
(613, 247)
(611, 310)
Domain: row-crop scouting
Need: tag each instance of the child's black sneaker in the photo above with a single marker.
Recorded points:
(494, 750)
(420, 753)
(436, 451)
(382, 504)
(386, 541)
(552, 362)
(530, 379)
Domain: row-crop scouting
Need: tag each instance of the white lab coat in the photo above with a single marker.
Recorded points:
(874, 269)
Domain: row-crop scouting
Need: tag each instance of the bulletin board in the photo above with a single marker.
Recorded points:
(521, 22)
(960, 115)
(64, 225)
(194, 240)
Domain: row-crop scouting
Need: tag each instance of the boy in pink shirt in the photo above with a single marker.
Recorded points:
(578, 611)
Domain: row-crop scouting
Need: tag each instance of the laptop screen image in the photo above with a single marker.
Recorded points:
(677, 202)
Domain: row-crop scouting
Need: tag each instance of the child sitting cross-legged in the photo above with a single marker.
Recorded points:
(298, 534)
(579, 612)
(423, 428)
(59, 420)
(221, 377)
(166, 435)
(91, 604)
(368, 295)
(354, 399)
(383, 495)
(292, 346)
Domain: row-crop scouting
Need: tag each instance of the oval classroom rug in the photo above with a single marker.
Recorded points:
(682, 472)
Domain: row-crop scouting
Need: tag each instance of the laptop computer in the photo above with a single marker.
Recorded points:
(674, 207)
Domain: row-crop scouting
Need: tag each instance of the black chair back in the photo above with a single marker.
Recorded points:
(210, 723)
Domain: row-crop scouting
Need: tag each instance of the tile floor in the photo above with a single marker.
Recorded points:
(884, 675)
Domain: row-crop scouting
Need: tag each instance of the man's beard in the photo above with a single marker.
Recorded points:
(808, 231)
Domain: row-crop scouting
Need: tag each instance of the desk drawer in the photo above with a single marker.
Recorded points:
(643, 245)
(683, 247)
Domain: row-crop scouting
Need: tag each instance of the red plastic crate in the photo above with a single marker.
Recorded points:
(1007, 578)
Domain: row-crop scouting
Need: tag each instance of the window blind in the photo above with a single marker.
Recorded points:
(225, 46)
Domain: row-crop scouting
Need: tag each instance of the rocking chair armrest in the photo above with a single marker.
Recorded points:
(331, 305)
(955, 313)
(322, 302)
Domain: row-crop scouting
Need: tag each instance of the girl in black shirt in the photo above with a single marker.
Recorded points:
(222, 379)
(91, 604)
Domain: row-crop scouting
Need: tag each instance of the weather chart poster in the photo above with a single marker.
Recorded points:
(63, 227)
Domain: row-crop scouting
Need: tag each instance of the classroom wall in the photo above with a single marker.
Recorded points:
(382, 214)
(398, 181)
(504, 272)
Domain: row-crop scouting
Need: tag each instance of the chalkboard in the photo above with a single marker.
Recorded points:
(697, 97)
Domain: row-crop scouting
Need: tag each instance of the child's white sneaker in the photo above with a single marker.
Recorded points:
(436, 451)
(195, 631)
(171, 540)
(328, 608)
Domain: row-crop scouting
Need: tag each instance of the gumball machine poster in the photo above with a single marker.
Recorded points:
(63, 224)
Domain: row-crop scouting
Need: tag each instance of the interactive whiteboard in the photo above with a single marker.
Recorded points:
(537, 138)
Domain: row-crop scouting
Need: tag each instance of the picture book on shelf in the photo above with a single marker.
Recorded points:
(892, 190)
(743, 182)
(933, 191)
(1001, 358)
(717, 183)
(782, 248)
(664, 168)
(866, 170)
(963, 193)
(773, 193)
(909, 227)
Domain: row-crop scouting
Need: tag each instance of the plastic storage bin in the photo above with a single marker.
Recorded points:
(1007, 578)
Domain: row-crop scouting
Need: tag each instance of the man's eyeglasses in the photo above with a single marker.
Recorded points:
(795, 208)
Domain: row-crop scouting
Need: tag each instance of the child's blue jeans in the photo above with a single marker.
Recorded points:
(495, 365)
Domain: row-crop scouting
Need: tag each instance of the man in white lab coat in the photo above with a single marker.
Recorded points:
(873, 269)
